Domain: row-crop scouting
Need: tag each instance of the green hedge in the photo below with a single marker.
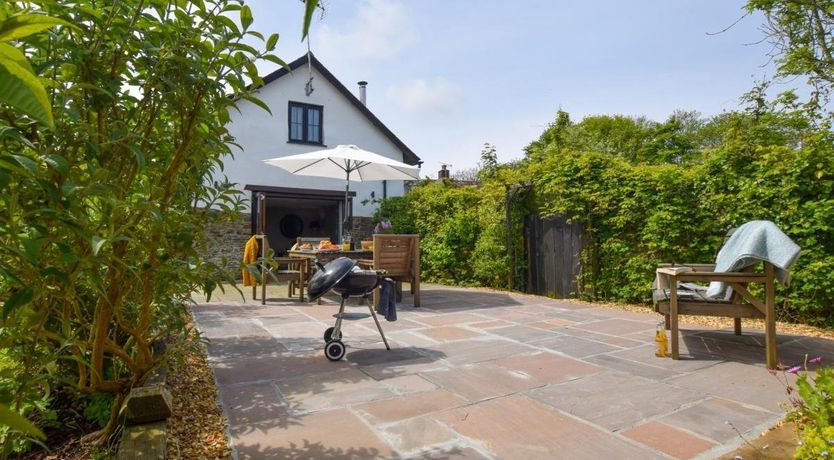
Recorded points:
(636, 215)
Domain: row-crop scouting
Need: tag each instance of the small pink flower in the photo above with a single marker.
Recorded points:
(780, 366)
(816, 360)
(794, 370)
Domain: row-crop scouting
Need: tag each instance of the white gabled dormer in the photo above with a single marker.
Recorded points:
(307, 115)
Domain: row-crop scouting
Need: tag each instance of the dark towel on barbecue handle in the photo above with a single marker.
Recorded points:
(388, 299)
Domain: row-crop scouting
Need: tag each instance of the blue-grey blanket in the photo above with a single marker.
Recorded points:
(388, 299)
(755, 241)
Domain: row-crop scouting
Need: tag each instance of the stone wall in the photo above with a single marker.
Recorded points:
(363, 228)
(227, 240)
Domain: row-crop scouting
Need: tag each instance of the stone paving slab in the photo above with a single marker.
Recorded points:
(669, 440)
(273, 368)
(529, 431)
(477, 350)
(448, 333)
(575, 346)
(416, 434)
(632, 367)
(615, 400)
(478, 374)
(392, 410)
(252, 402)
(718, 419)
(548, 367)
(336, 434)
(734, 381)
(475, 382)
(523, 333)
(332, 390)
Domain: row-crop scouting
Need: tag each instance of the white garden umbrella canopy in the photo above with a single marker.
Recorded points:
(348, 162)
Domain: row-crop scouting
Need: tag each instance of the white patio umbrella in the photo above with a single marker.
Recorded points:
(349, 162)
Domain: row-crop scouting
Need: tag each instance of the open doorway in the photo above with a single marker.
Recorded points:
(292, 212)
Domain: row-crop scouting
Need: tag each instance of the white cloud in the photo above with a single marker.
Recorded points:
(422, 97)
(379, 30)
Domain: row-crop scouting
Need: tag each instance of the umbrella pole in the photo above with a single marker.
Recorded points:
(346, 225)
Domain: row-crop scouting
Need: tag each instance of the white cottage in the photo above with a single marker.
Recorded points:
(307, 115)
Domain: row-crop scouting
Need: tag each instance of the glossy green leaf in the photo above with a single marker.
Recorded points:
(309, 9)
(271, 42)
(10, 53)
(96, 242)
(57, 162)
(23, 25)
(277, 60)
(18, 299)
(246, 17)
(27, 163)
(258, 102)
(18, 422)
(21, 89)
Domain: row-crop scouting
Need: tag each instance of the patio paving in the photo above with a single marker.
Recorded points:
(475, 374)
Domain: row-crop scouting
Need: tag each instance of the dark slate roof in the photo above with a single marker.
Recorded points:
(409, 156)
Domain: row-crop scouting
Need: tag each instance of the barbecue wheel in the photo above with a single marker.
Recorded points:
(334, 350)
(328, 334)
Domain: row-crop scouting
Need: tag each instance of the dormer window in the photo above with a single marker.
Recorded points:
(305, 123)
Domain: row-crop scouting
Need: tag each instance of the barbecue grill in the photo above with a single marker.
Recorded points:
(342, 277)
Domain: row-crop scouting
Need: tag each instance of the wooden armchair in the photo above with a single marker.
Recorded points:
(742, 304)
(292, 270)
(399, 256)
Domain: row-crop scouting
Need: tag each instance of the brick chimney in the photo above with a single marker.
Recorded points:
(443, 173)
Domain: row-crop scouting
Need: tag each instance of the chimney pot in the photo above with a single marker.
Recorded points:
(362, 92)
(443, 173)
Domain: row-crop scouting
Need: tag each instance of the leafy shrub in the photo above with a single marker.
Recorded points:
(638, 210)
(463, 230)
(102, 217)
(97, 408)
(813, 414)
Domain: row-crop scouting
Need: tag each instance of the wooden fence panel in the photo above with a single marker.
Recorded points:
(553, 248)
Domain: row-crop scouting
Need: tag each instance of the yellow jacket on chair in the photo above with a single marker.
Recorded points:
(250, 256)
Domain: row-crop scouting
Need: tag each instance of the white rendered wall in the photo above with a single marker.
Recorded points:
(264, 136)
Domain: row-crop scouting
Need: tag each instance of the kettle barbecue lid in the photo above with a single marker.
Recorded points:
(326, 278)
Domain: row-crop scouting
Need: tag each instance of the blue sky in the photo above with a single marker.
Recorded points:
(448, 75)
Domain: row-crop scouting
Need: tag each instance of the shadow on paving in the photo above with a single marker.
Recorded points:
(309, 450)
(749, 348)
(462, 299)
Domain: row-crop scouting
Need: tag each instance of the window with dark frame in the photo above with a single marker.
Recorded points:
(305, 123)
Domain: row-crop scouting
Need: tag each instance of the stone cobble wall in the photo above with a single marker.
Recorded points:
(227, 240)
(363, 228)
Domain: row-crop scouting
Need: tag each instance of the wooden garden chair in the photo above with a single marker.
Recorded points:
(677, 300)
(399, 257)
(290, 269)
(742, 304)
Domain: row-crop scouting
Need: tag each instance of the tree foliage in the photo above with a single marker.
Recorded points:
(802, 33)
(644, 199)
(19, 85)
(637, 140)
(102, 217)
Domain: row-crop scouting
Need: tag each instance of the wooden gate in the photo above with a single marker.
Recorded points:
(553, 254)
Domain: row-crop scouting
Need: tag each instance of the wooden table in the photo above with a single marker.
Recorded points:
(326, 256)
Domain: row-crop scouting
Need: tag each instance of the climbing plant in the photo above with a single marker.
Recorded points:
(103, 203)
